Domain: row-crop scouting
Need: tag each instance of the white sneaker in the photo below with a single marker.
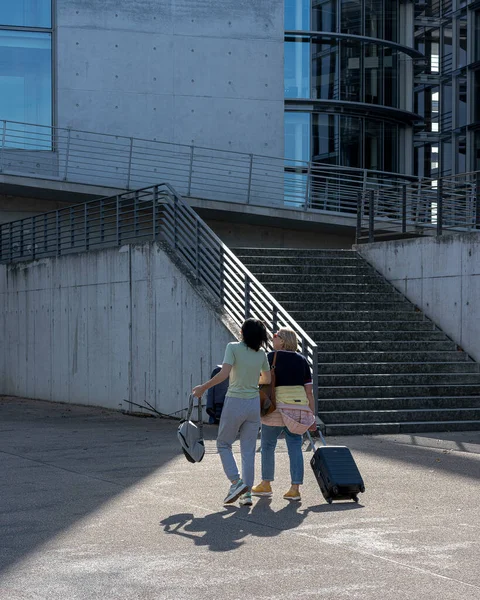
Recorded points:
(246, 499)
(235, 491)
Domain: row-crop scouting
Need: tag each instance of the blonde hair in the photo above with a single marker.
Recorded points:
(289, 337)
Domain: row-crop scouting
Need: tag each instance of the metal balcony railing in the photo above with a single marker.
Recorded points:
(399, 201)
(131, 163)
(423, 207)
(154, 213)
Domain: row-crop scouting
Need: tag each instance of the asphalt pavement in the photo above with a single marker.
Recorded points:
(99, 505)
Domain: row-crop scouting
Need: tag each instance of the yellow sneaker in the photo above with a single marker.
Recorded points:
(262, 489)
(292, 495)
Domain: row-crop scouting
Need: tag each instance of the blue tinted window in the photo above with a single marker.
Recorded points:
(297, 15)
(26, 13)
(25, 77)
(297, 136)
(297, 69)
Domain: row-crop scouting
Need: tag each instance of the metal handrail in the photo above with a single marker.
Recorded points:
(155, 213)
(223, 175)
(131, 163)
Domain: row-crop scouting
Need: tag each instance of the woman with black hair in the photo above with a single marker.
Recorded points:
(243, 363)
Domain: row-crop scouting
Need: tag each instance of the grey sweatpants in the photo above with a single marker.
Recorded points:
(239, 415)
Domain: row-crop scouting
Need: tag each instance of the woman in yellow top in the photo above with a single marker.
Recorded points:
(294, 392)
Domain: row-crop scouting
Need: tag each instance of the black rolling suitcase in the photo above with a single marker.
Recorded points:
(336, 472)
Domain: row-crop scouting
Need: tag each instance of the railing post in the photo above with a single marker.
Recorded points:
(67, 155)
(33, 238)
(371, 216)
(129, 170)
(190, 171)
(117, 220)
(154, 213)
(102, 221)
(45, 233)
(197, 250)
(2, 149)
(404, 208)
(358, 233)
(247, 297)
(85, 216)
(72, 227)
(10, 253)
(275, 319)
(135, 214)
(21, 237)
(250, 173)
(222, 275)
(477, 197)
(57, 232)
(315, 377)
(175, 225)
(439, 207)
(307, 187)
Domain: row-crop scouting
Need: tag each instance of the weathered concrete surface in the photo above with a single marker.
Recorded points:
(100, 505)
(174, 70)
(441, 275)
(105, 328)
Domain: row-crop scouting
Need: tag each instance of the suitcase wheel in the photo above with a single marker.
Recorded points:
(335, 490)
(362, 488)
(329, 500)
(355, 498)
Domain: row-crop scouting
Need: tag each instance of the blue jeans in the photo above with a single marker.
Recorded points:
(294, 445)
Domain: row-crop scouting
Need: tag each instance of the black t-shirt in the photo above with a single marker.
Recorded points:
(291, 368)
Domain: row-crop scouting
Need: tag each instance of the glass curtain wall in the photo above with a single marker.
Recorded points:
(447, 88)
(26, 61)
(344, 74)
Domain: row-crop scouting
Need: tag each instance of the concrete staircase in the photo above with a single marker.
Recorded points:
(383, 366)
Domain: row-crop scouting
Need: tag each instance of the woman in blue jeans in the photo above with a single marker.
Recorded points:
(294, 392)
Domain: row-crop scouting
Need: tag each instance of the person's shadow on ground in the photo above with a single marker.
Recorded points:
(225, 530)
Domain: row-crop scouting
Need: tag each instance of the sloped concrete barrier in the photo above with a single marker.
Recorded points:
(441, 275)
(107, 327)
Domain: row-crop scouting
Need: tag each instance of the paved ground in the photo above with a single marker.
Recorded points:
(96, 504)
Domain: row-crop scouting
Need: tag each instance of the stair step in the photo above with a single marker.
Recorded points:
(321, 298)
(293, 252)
(365, 325)
(400, 415)
(409, 402)
(357, 315)
(274, 287)
(406, 427)
(299, 278)
(393, 357)
(393, 305)
(393, 368)
(387, 346)
(387, 391)
(398, 379)
(312, 260)
(307, 269)
(377, 336)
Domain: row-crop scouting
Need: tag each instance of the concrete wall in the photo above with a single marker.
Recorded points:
(441, 275)
(243, 235)
(204, 72)
(102, 327)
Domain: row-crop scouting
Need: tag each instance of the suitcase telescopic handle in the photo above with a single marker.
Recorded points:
(313, 443)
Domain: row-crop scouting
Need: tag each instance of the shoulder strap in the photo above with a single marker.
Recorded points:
(272, 371)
